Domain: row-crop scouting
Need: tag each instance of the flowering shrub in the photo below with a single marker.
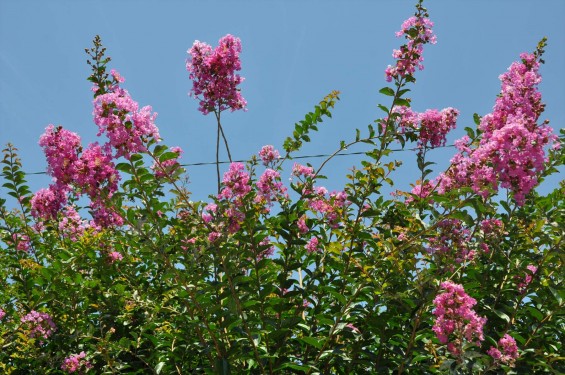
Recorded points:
(115, 260)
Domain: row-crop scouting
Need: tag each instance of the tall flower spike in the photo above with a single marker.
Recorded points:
(213, 74)
(418, 31)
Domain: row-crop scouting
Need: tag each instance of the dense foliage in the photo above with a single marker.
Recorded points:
(114, 269)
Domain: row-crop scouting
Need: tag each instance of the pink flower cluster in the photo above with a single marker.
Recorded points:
(46, 203)
(418, 31)
(268, 154)
(270, 187)
(236, 183)
(313, 245)
(455, 318)
(96, 174)
(214, 81)
(511, 151)
(91, 171)
(527, 279)
(330, 206)
(236, 186)
(509, 352)
(301, 223)
(61, 148)
(452, 241)
(76, 362)
(168, 167)
(21, 241)
(39, 324)
(72, 226)
(127, 127)
(267, 249)
(2, 314)
(432, 126)
(114, 256)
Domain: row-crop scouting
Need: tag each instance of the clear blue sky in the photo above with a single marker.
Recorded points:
(294, 53)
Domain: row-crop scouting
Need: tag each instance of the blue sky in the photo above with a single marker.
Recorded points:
(294, 53)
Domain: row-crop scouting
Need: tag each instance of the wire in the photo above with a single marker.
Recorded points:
(295, 157)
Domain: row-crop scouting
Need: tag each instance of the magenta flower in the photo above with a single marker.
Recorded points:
(213, 74)
(417, 31)
(21, 241)
(114, 256)
(96, 174)
(39, 324)
(527, 279)
(61, 148)
(312, 245)
(432, 126)
(270, 187)
(329, 206)
(127, 127)
(236, 183)
(299, 170)
(511, 152)
(268, 154)
(2, 314)
(46, 203)
(76, 362)
(455, 319)
(509, 352)
(72, 226)
(302, 227)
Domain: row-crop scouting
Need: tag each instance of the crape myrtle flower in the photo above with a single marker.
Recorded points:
(213, 74)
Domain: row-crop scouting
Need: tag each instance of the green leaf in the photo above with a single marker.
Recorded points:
(168, 156)
(312, 341)
(387, 91)
(477, 119)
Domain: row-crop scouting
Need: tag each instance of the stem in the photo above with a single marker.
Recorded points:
(218, 115)
(218, 156)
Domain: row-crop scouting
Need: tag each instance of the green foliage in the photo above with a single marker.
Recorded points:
(203, 296)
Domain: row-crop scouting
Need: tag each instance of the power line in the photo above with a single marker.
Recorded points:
(295, 157)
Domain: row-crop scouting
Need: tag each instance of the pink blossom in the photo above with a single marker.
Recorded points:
(76, 362)
(329, 206)
(21, 241)
(299, 170)
(236, 183)
(114, 256)
(455, 318)
(214, 81)
(103, 216)
(127, 127)
(46, 203)
(268, 154)
(96, 174)
(417, 31)
(270, 187)
(61, 148)
(511, 152)
(302, 227)
(435, 125)
(312, 245)
(527, 279)
(509, 352)
(71, 226)
(2, 314)
(267, 249)
(353, 328)
(39, 324)
(213, 236)
(432, 125)
(452, 241)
